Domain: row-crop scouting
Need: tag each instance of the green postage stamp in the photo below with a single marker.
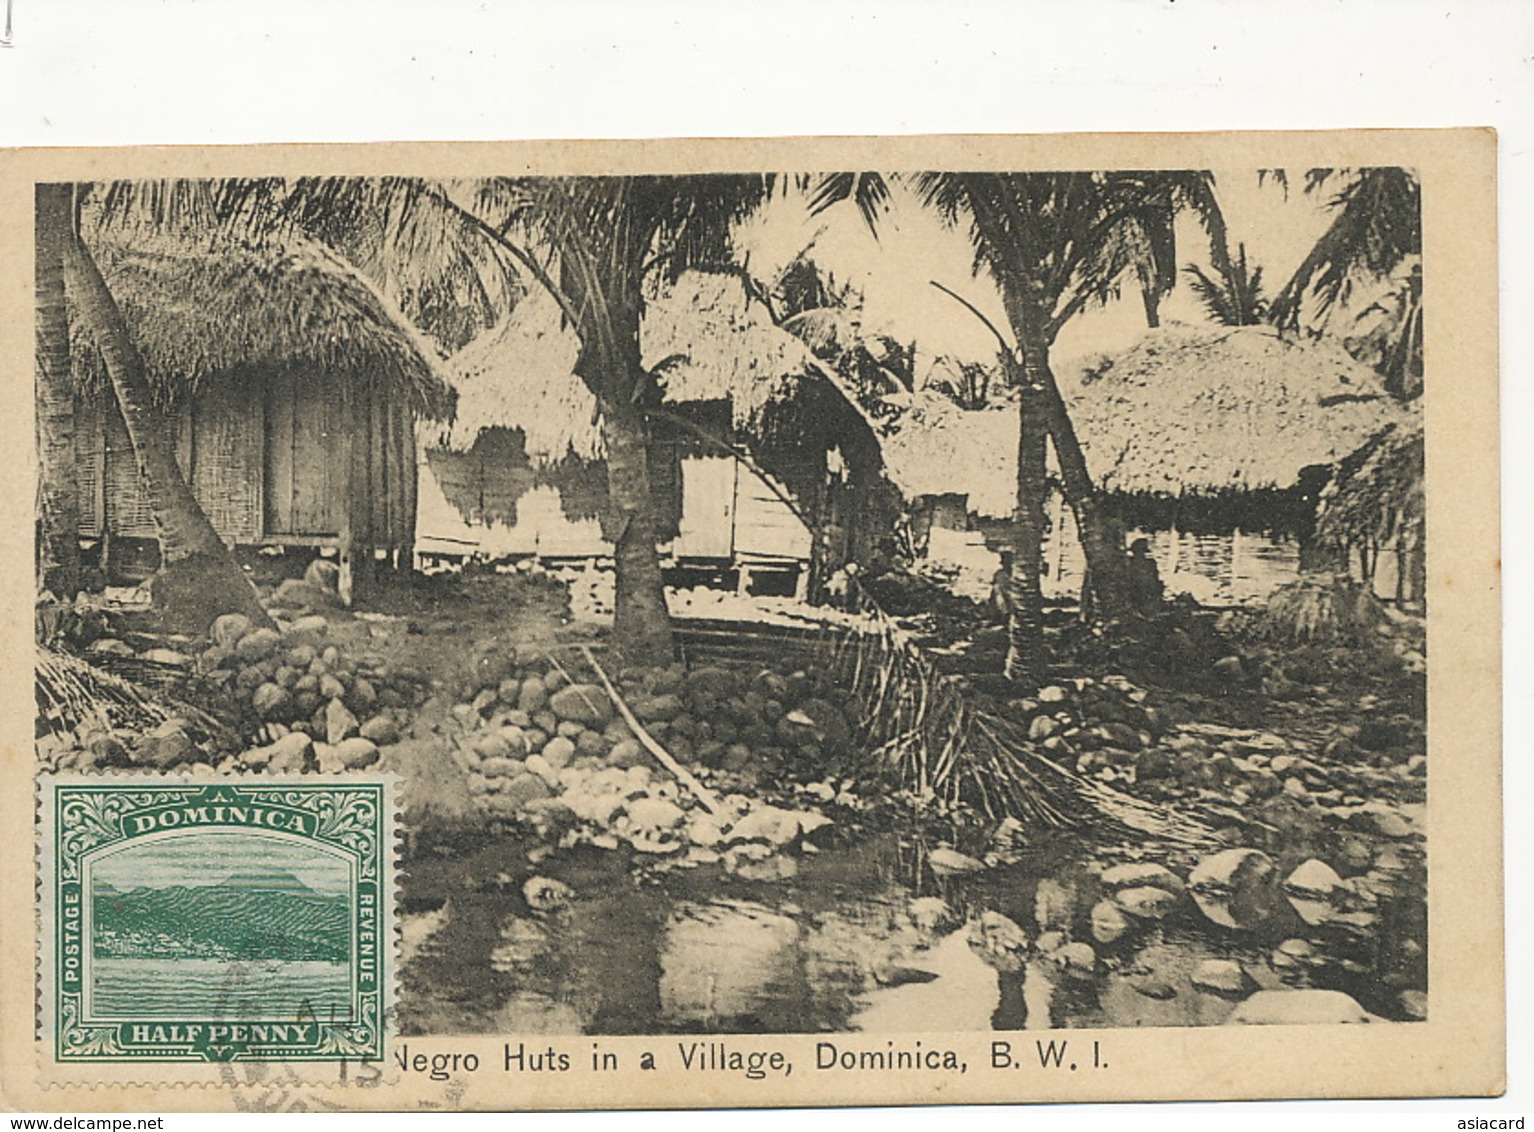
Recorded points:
(216, 920)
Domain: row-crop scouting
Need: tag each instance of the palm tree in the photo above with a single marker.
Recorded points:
(199, 578)
(1376, 228)
(1053, 244)
(58, 543)
(609, 238)
(1234, 297)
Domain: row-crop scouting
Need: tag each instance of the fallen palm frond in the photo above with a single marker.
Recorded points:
(921, 726)
(74, 696)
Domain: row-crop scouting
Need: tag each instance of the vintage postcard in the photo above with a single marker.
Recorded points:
(752, 623)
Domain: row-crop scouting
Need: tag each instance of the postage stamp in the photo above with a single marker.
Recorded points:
(215, 921)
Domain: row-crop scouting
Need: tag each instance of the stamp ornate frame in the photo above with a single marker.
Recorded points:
(215, 920)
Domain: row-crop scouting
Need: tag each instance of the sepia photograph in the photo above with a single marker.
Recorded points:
(865, 627)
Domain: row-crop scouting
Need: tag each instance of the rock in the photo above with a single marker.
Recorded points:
(1413, 1004)
(309, 630)
(1140, 875)
(1054, 694)
(288, 755)
(1159, 989)
(950, 862)
(1222, 976)
(502, 768)
(533, 697)
(658, 709)
(227, 630)
(1000, 941)
(1388, 823)
(1298, 1007)
(525, 788)
(1145, 902)
(1235, 888)
(1077, 960)
(933, 915)
(770, 824)
(1054, 905)
(356, 752)
(295, 593)
(558, 752)
(654, 813)
(169, 657)
(330, 687)
(711, 680)
(324, 574)
(340, 723)
(257, 645)
(627, 753)
(582, 703)
(590, 745)
(492, 745)
(270, 701)
(545, 894)
(381, 730)
(1109, 924)
(1293, 955)
(165, 746)
(1042, 727)
(1312, 882)
(1230, 668)
(363, 697)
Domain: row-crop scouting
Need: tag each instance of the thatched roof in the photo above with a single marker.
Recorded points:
(702, 337)
(202, 311)
(1377, 493)
(1186, 410)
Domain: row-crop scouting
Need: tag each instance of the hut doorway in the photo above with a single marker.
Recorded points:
(305, 488)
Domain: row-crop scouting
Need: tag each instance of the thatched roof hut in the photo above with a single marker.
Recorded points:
(702, 337)
(294, 385)
(525, 421)
(204, 311)
(1185, 411)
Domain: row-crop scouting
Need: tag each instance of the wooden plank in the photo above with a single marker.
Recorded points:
(313, 448)
(765, 527)
(707, 525)
(279, 455)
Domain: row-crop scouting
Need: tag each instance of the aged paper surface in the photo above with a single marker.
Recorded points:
(764, 976)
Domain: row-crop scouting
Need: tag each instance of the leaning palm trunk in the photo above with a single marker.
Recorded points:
(199, 578)
(641, 622)
(59, 536)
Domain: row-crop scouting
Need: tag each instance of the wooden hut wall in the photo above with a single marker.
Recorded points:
(291, 460)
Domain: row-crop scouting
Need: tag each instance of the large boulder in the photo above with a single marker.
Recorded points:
(356, 752)
(228, 629)
(1299, 1007)
(1235, 888)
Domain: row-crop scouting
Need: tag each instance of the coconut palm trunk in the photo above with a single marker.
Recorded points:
(199, 578)
(1025, 612)
(609, 362)
(58, 550)
(1099, 539)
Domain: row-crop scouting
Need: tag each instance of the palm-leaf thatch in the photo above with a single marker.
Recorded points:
(1377, 496)
(1190, 409)
(73, 696)
(206, 310)
(1186, 410)
(700, 337)
(925, 731)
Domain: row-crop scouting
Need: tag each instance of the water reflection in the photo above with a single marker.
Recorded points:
(865, 939)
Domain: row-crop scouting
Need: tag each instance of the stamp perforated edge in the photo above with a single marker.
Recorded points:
(247, 1073)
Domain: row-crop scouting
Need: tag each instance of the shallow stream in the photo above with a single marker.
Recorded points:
(846, 943)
